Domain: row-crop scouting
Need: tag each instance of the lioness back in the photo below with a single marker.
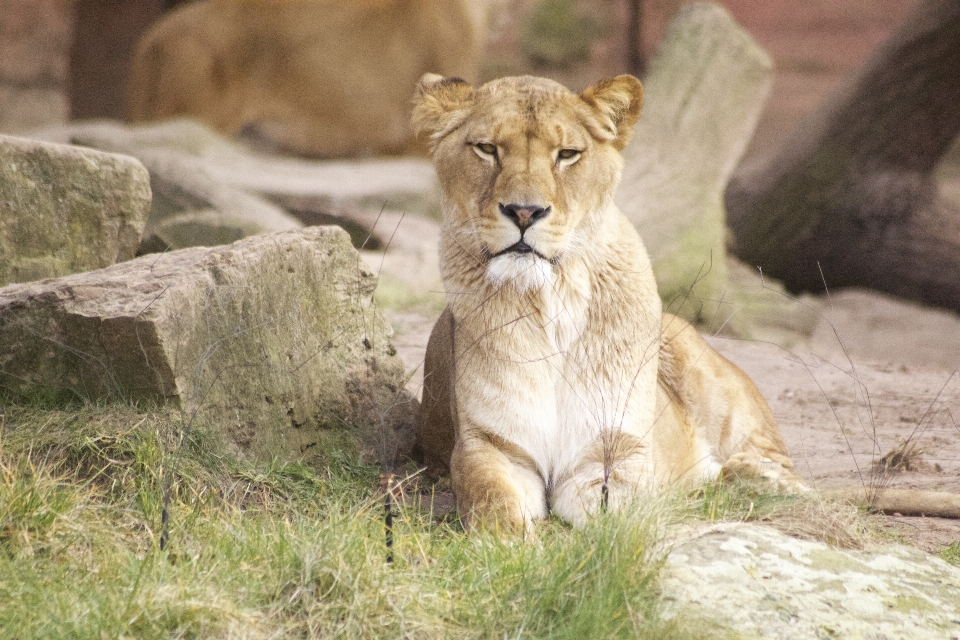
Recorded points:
(541, 391)
(316, 77)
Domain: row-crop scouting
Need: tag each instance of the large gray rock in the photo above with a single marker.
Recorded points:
(67, 209)
(192, 204)
(272, 339)
(703, 97)
(758, 582)
(207, 187)
(231, 163)
(191, 208)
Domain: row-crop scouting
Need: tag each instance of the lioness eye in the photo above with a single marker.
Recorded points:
(569, 155)
(485, 150)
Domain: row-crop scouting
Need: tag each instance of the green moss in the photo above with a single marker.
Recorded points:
(692, 276)
(394, 293)
(910, 604)
(67, 210)
(831, 560)
(558, 34)
(269, 343)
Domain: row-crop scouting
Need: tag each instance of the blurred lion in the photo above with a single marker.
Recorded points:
(322, 78)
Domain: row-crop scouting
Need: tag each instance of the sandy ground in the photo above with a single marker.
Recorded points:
(840, 417)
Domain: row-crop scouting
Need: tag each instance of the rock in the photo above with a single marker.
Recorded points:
(872, 326)
(408, 264)
(759, 308)
(703, 97)
(272, 339)
(190, 208)
(195, 170)
(757, 582)
(67, 209)
(231, 163)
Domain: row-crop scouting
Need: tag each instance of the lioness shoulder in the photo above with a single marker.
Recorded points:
(554, 383)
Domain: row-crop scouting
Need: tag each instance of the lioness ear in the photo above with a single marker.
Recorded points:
(439, 105)
(616, 106)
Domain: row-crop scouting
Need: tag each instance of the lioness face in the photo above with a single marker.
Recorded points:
(526, 166)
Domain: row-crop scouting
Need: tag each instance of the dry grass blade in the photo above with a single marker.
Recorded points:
(906, 456)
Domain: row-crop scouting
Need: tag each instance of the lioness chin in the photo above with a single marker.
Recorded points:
(553, 380)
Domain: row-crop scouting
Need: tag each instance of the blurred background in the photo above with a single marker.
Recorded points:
(63, 60)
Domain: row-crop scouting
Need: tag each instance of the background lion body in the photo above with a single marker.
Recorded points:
(316, 77)
(544, 386)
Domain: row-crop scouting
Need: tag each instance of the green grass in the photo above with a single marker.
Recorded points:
(281, 550)
(952, 554)
(808, 516)
(286, 550)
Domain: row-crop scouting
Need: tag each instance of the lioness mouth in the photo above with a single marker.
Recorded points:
(521, 248)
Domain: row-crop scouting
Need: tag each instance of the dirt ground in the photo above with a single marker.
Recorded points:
(840, 418)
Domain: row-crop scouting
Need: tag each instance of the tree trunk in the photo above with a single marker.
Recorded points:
(637, 58)
(105, 34)
(850, 199)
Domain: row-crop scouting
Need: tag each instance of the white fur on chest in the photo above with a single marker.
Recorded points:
(558, 405)
(528, 376)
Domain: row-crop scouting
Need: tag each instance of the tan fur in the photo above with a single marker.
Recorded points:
(315, 77)
(542, 374)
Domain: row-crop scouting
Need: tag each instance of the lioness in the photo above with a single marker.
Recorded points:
(553, 381)
(315, 77)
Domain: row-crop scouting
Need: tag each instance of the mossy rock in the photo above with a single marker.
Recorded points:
(274, 339)
(67, 209)
(703, 97)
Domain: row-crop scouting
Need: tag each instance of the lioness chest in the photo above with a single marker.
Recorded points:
(551, 371)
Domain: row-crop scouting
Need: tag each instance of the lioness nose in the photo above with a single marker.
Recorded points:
(524, 215)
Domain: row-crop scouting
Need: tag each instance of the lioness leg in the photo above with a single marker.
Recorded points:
(774, 469)
(728, 415)
(496, 488)
(436, 430)
(614, 472)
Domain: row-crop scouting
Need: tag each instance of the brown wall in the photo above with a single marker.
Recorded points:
(34, 44)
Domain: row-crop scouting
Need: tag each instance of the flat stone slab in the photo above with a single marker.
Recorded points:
(760, 583)
(66, 209)
(273, 339)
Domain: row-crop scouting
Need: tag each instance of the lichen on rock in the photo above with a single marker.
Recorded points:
(756, 581)
(67, 209)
